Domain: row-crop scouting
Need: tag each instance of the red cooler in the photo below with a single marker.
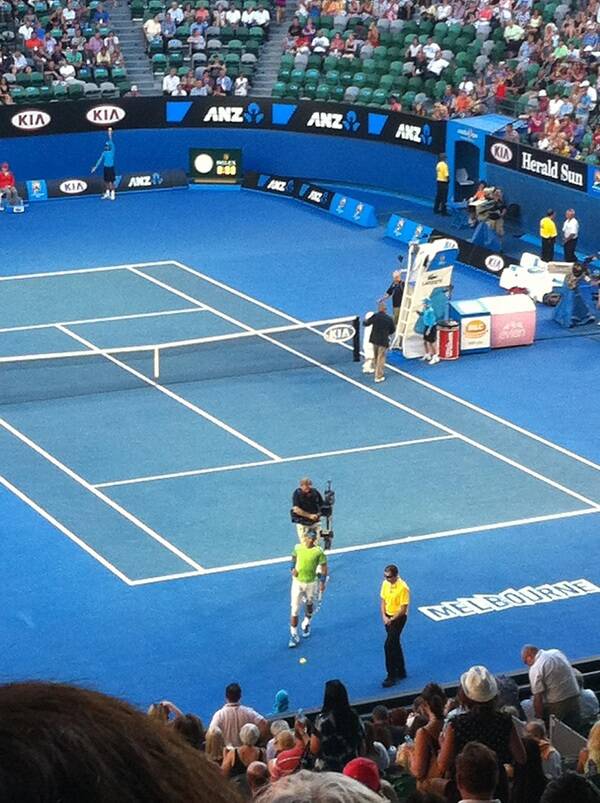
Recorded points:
(448, 340)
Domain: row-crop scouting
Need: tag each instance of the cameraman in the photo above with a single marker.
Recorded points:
(306, 509)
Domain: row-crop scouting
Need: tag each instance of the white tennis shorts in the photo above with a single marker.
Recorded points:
(302, 593)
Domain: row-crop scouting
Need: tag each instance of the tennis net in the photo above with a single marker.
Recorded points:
(90, 370)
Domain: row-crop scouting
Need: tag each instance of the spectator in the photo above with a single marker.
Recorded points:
(588, 701)
(375, 750)
(423, 764)
(589, 758)
(257, 777)
(190, 728)
(214, 746)
(551, 758)
(367, 773)
(317, 787)
(83, 745)
(8, 189)
(553, 684)
(291, 747)
(237, 759)
(510, 135)
(482, 723)
(529, 779)
(338, 734)
(240, 86)
(233, 715)
(571, 788)
(170, 82)
(152, 28)
(476, 772)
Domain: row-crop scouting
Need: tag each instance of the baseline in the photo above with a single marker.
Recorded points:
(48, 274)
(460, 531)
(132, 316)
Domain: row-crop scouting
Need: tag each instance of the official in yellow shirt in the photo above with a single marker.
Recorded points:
(548, 233)
(441, 195)
(395, 598)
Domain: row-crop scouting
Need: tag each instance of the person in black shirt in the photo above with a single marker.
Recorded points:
(306, 509)
(382, 328)
(395, 291)
(496, 213)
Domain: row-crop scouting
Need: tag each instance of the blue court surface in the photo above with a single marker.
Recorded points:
(146, 520)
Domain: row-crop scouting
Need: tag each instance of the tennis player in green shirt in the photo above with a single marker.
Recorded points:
(309, 571)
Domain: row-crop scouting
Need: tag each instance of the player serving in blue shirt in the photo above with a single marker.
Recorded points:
(107, 158)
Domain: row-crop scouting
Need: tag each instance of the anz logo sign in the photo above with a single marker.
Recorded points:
(252, 115)
(335, 121)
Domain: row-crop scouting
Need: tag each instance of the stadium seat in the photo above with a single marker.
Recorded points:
(323, 92)
(75, 91)
(380, 97)
(364, 96)
(278, 90)
(159, 63)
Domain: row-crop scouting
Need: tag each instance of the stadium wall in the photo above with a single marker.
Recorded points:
(536, 196)
(389, 167)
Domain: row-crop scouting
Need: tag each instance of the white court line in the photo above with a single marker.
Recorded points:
(476, 408)
(257, 463)
(52, 273)
(132, 316)
(69, 533)
(99, 495)
(167, 392)
(409, 539)
(377, 394)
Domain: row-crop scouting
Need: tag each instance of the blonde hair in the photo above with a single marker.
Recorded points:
(285, 740)
(215, 744)
(593, 745)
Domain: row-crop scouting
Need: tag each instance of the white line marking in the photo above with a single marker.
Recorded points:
(167, 392)
(65, 531)
(377, 544)
(133, 316)
(295, 458)
(418, 380)
(98, 494)
(51, 274)
(377, 394)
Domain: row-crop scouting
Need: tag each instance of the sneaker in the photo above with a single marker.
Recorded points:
(106, 196)
(112, 196)
(305, 627)
(380, 378)
(425, 357)
(294, 641)
(435, 359)
(388, 682)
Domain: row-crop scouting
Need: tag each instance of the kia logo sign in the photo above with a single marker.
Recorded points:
(494, 262)
(339, 333)
(105, 115)
(73, 186)
(501, 152)
(31, 119)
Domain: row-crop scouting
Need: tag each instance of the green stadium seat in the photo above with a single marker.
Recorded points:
(236, 46)
(36, 79)
(297, 77)
(278, 90)
(292, 91)
(159, 64)
(175, 60)
(380, 97)
(365, 96)
(75, 91)
(309, 91)
(386, 82)
(284, 74)
(59, 92)
(323, 92)
(360, 79)
(408, 98)
(332, 78)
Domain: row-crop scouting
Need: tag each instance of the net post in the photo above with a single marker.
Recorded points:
(156, 371)
(356, 340)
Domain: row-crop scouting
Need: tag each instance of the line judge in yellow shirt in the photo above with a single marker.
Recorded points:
(441, 194)
(395, 598)
(548, 233)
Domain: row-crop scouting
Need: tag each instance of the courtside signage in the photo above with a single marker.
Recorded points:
(540, 164)
(509, 598)
(339, 333)
(106, 114)
(31, 120)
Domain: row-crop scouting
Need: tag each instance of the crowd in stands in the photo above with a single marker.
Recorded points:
(206, 51)
(63, 743)
(457, 58)
(50, 50)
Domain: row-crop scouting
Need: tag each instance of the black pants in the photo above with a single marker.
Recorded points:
(394, 657)
(548, 248)
(441, 196)
(569, 249)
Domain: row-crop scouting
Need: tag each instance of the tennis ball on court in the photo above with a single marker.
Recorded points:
(302, 660)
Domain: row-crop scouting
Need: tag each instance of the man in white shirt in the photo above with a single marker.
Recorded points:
(570, 233)
(170, 82)
(26, 31)
(175, 13)
(248, 17)
(233, 17)
(436, 67)
(555, 105)
(553, 684)
(262, 18)
(476, 773)
(431, 49)
(233, 716)
(320, 44)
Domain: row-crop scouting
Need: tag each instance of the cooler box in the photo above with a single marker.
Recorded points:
(448, 340)
(513, 320)
(473, 319)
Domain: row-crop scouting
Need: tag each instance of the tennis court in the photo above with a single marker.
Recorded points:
(190, 473)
